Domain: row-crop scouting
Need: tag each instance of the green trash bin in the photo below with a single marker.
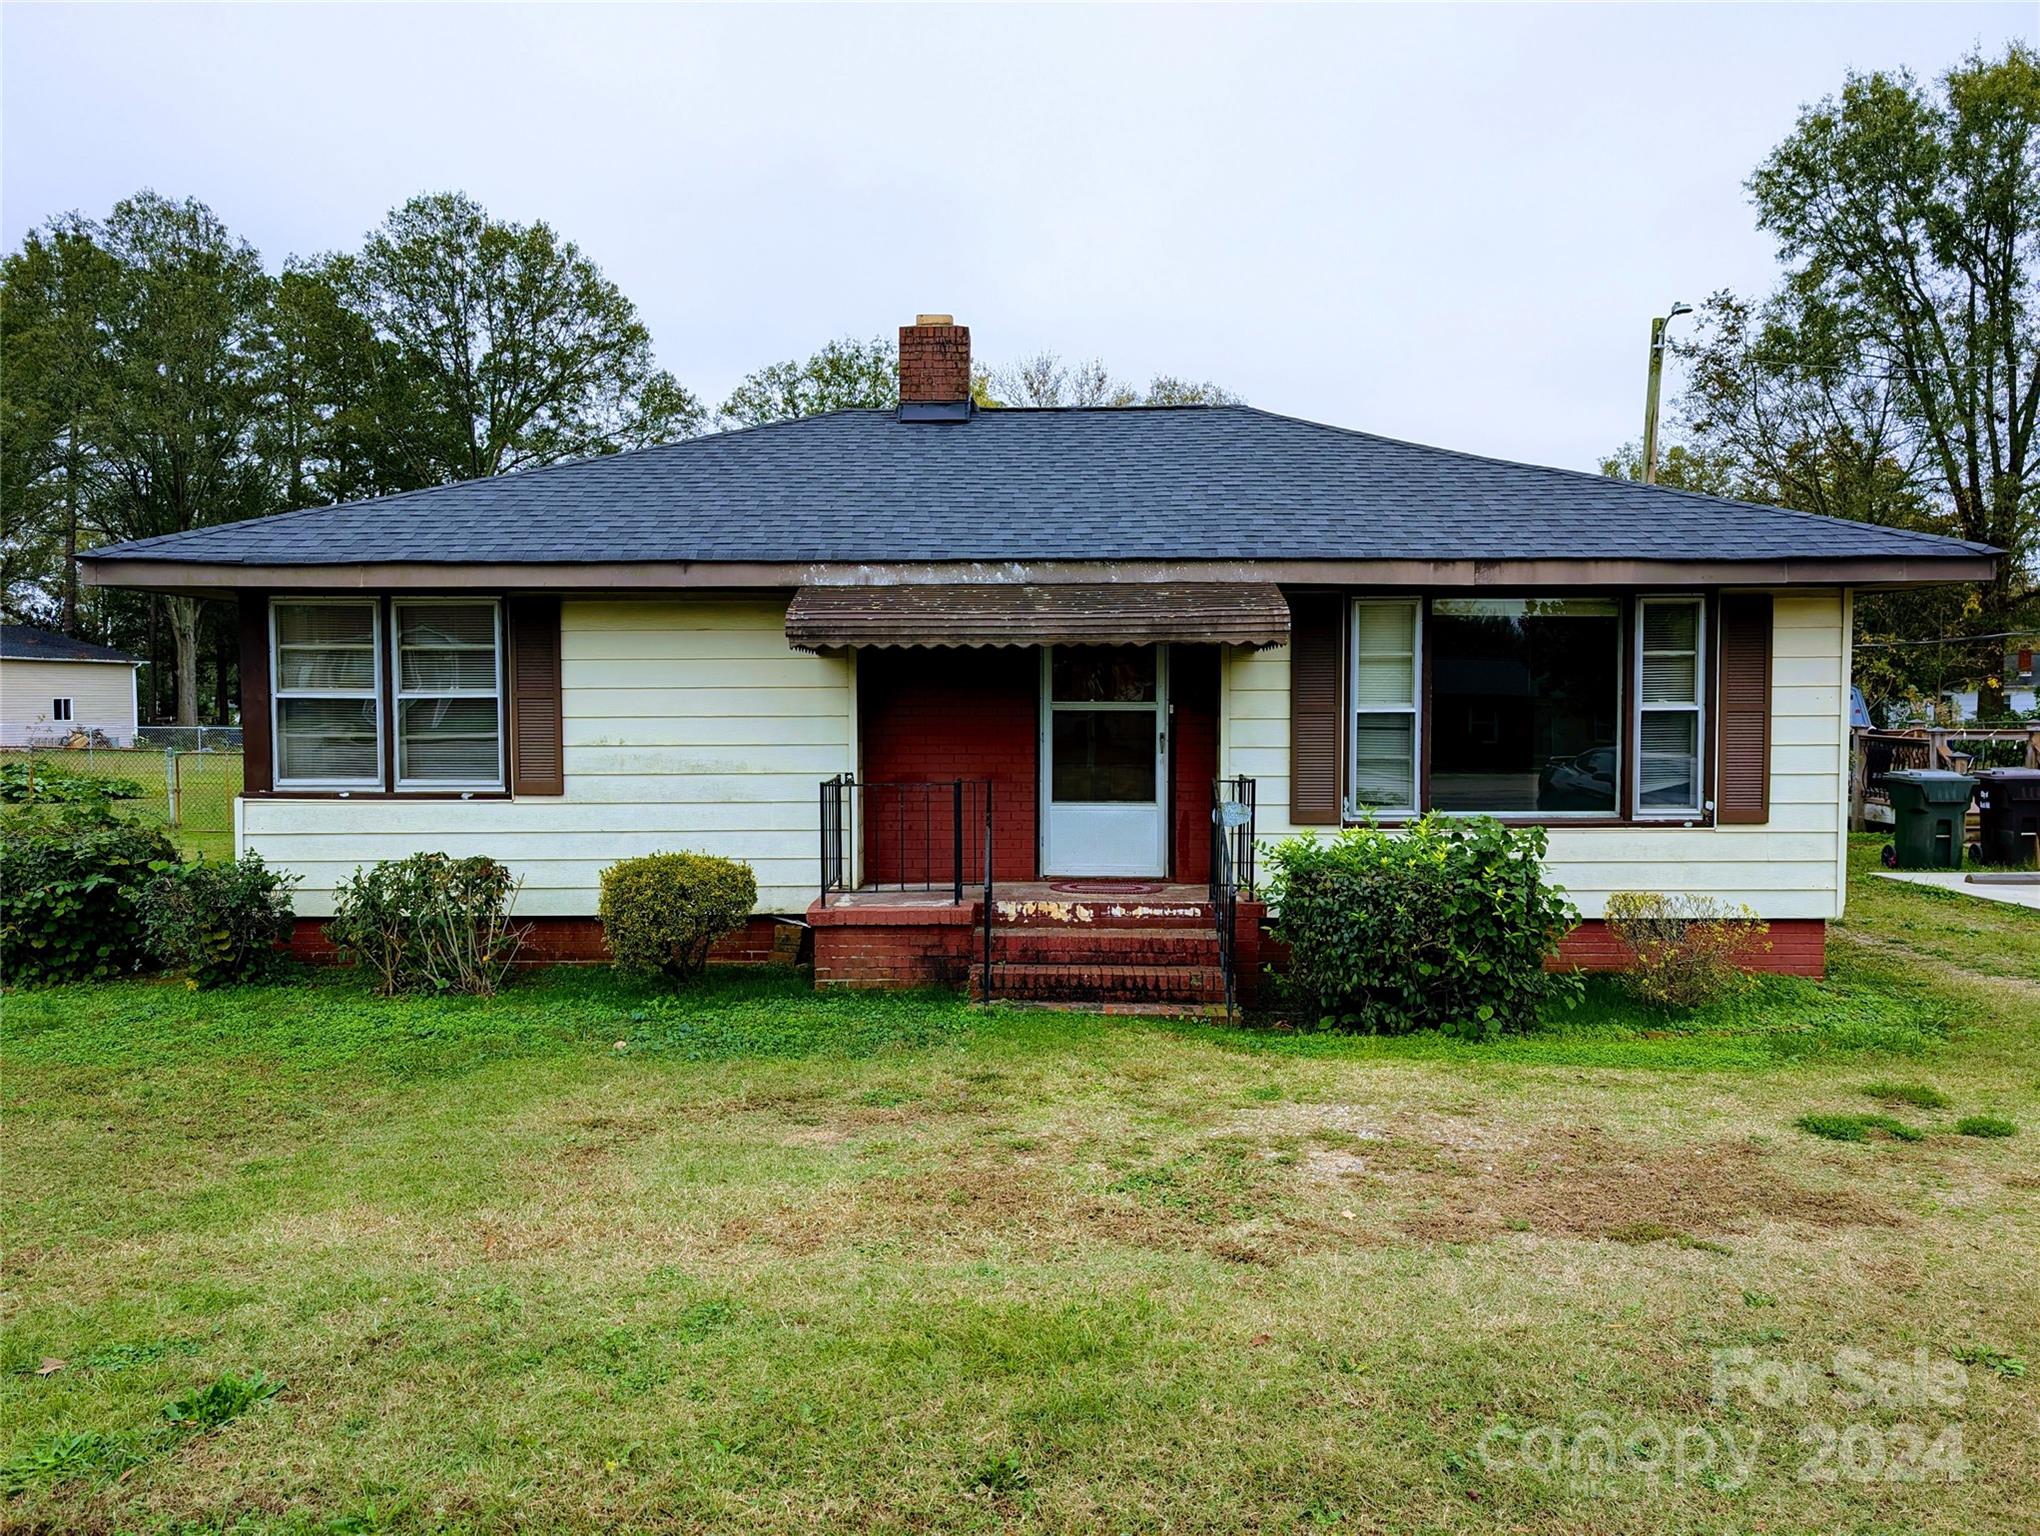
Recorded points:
(1929, 809)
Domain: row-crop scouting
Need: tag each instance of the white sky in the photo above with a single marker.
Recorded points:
(1444, 223)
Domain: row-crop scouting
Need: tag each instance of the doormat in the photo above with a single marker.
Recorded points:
(1107, 887)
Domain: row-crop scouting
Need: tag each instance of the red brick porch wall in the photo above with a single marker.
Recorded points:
(578, 941)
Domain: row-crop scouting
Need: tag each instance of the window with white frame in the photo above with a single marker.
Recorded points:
(449, 677)
(60, 709)
(1670, 690)
(324, 687)
(1384, 704)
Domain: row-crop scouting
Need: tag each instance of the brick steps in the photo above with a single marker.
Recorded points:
(1102, 982)
(1073, 944)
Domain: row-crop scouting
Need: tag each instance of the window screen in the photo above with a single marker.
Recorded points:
(328, 720)
(449, 694)
(1669, 695)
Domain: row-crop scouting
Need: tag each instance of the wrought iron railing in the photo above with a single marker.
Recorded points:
(904, 834)
(1232, 872)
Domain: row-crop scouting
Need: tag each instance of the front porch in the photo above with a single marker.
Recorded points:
(1117, 946)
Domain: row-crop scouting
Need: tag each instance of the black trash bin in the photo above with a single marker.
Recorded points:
(1929, 812)
(2008, 808)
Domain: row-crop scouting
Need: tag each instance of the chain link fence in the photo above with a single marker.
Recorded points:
(189, 792)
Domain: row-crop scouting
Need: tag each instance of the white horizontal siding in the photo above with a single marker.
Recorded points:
(690, 725)
(1789, 867)
(102, 695)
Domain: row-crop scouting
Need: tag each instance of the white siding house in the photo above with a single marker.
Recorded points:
(53, 688)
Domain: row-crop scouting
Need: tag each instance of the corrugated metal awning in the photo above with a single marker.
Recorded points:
(1249, 613)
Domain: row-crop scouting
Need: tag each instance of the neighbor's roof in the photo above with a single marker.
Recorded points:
(1169, 483)
(23, 642)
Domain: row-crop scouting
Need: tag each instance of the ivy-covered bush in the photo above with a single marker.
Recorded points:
(220, 921)
(1444, 925)
(68, 893)
(1685, 950)
(57, 784)
(661, 913)
(429, 923)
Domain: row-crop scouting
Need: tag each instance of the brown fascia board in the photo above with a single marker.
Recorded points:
(192, 578)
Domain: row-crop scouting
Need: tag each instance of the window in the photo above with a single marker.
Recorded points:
(1102, 725)
(60, 709)
(449, 693)
(1669, 694)
(1385, 648)
(1526, 705)
(328, 716)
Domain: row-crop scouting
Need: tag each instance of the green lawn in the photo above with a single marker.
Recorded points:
(207, 784)
(593, 1255)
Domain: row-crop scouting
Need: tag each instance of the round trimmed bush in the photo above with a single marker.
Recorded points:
(661, 913)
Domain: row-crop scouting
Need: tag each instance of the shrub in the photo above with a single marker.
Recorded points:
(57, 784)
(68, 888)
(1991, 752)
(219, 921)
(1446, 925)
(661, 913)
(1687, 949)
(429, 923)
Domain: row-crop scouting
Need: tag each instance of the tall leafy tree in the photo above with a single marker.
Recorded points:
(842, 375)
(185, 335)
(1911, 222)
(53, 296)
(518, 351)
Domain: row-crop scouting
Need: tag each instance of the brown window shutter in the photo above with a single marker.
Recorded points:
(255, 750)
(1742, 729)
(537, 734)
(1314, 725)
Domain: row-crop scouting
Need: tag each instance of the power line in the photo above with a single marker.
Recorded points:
(2003, 634)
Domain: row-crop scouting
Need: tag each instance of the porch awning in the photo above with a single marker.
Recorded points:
(1250, 613)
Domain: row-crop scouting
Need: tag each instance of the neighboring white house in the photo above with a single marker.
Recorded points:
(54, 690)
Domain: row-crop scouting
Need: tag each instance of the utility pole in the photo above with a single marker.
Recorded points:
(1650, 396)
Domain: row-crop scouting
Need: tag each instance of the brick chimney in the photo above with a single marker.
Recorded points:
(934, 362)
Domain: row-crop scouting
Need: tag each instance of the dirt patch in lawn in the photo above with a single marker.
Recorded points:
(1583, 1183)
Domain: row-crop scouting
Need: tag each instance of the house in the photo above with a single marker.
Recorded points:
(55, 690)
(898, 659)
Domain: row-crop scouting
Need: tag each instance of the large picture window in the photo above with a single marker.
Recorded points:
(1385, 679)
(325, 670)
(449, 693)
(1669, 689)
(1526, 705)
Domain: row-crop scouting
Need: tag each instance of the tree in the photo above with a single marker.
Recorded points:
(1680, 467)
(520, 352)
(184, 325)
(53, 294)
(844, 375)
(1047, 380)
(1912, 224)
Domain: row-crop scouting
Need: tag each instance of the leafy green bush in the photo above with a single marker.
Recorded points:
(429, 923)
(1687, 949)
(58, 784)
(661, 913)
(219, 921)
(1446, 925)
(68, 894)
(1991, 752)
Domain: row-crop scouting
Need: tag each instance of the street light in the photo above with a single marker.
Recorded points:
(1657, 366)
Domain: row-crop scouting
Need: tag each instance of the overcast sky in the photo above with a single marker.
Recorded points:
(1443, 223)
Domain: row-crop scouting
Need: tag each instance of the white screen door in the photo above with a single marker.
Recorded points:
(1104, 762)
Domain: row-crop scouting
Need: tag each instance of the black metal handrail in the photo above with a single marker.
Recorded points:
(1232, 871)
(916, 834)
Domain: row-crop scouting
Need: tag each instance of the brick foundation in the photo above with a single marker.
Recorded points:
(1798, 947)
(578, 941)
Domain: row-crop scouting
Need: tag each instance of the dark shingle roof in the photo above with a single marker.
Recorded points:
(23, 642)
(1182, 483)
